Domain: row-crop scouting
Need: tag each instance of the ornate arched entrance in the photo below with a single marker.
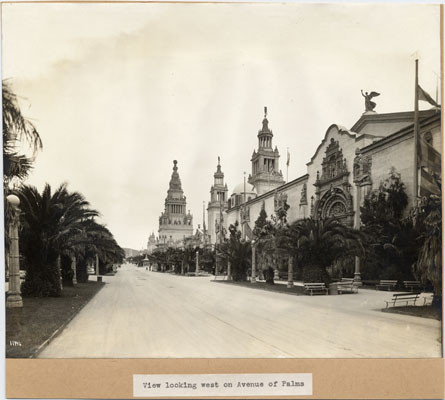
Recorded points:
(335, 203)
(332, 195)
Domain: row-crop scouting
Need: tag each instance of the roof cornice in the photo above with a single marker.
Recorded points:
(404, 132)
(387, 117)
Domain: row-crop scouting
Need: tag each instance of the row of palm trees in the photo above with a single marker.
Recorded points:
(179, 260)
(312, 244)
(56, 227)
(59, 233)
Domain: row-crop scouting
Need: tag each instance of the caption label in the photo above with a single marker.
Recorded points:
(222, 385)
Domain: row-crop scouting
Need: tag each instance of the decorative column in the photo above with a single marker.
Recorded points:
(229, 271)
(357, 276)
(253, 277)
(363, 183)
(14, 297)
(73, 268)
(197, 263)
(290, 272)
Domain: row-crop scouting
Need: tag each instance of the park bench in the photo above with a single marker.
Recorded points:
(285, 275)
(386, 284)
(347, 285)
(411, 285)
(312, 288)
(403, 297)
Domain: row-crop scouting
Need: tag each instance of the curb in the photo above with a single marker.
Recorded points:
(36, 352)
(291, 293)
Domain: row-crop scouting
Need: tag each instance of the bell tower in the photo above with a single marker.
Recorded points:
(266, 174)
(175, 223)
(217, 204)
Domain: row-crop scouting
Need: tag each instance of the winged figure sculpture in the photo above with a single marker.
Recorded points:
(369, 105)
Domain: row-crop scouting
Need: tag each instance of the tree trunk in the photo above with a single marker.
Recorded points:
(59, 270)
(74, 269)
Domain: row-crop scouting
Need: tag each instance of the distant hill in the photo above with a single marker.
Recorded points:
(130, 252)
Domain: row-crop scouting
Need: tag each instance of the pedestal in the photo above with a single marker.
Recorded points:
(357, 276)
(14, 298)
(333, 289)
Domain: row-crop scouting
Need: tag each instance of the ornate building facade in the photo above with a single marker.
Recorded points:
(345, 167)
(175, 223)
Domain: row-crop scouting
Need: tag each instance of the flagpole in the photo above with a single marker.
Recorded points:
(416, 135)
(204, 222)
(243, 235)
(287, 166)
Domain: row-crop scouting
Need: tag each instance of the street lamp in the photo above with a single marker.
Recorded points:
(197, 263)
(14, 298)
(253, 277)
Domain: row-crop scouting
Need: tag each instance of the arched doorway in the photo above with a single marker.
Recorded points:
(336, 203)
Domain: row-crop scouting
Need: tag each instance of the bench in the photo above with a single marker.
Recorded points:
(403, 297)
(386, 284)
(369, 282)
(411, 285)
(315, 288)
(347, 285)
(285, 276)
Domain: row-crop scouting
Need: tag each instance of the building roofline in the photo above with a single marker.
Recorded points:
(300, 179)
(395, 116)
(406, 131)
(341, 129)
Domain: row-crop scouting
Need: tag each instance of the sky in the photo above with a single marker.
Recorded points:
(118, 91)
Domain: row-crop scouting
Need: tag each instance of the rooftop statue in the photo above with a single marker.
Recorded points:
(369, 105)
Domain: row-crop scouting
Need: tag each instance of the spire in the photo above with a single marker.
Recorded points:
(265, 123)
(218, 173)
(175, 181)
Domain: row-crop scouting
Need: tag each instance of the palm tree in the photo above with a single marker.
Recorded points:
(189, 258)
(427, 217)
(49, 221)
(17, 130)
(88, 240)
(317, 243)
(238, 252)
(272, 241)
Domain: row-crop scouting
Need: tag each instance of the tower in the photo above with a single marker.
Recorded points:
(151, 243)
(266, 174)
(175, 223)
(217, 204)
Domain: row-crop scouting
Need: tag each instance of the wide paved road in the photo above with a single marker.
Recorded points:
(149, 314)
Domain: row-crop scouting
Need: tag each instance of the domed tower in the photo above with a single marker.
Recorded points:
(217, 204)
(151, 243)
(266, 174)
(175, 223)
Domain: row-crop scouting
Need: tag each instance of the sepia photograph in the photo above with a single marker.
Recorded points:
(222, 180)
